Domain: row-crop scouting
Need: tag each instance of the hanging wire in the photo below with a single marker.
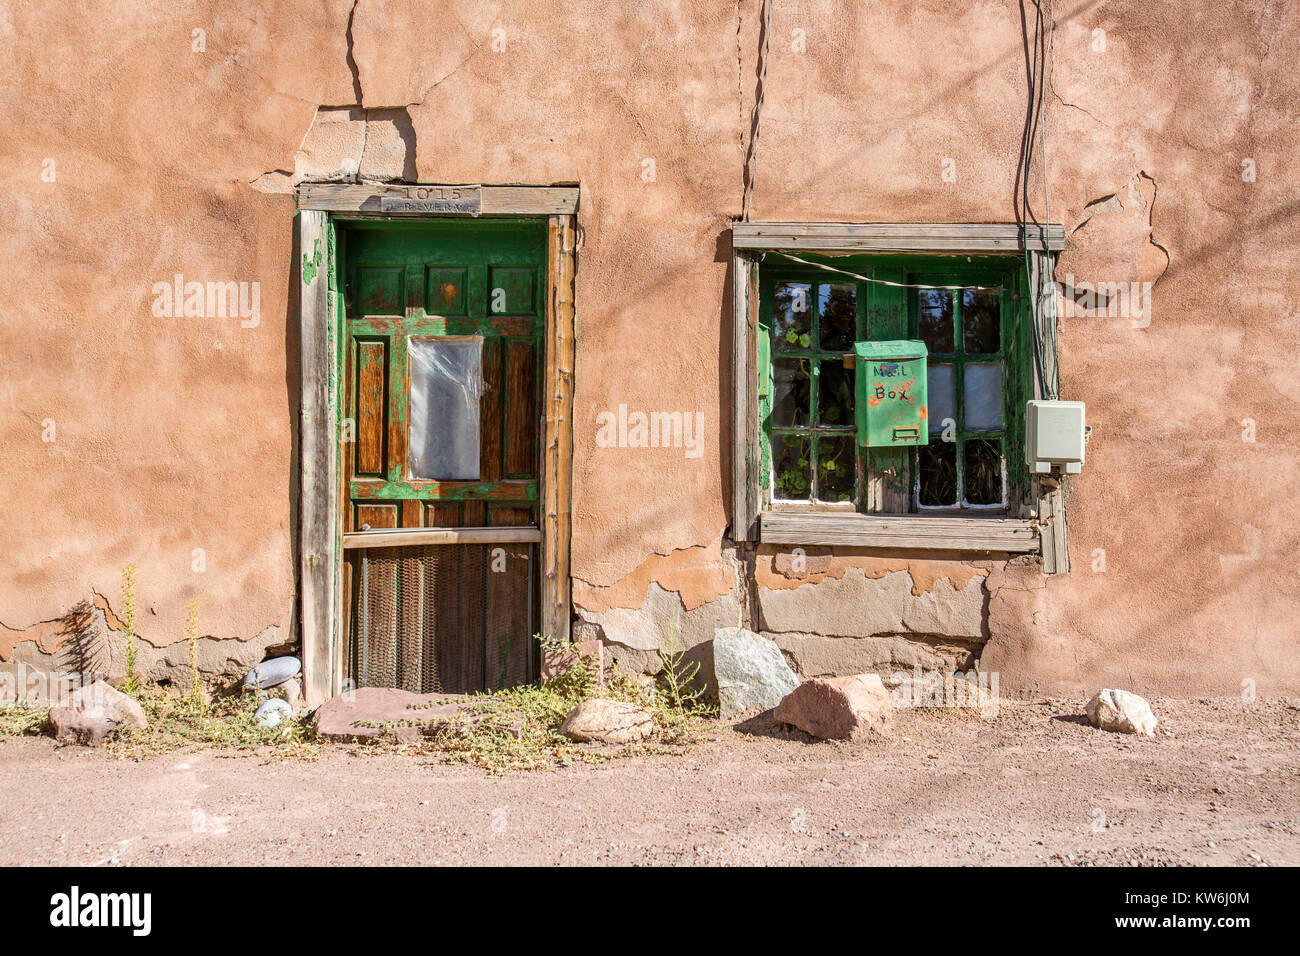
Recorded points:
(751, 160)
(896, 285)
(1036, 127)
(1055, 385)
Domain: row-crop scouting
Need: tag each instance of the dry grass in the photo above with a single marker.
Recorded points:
(517, 729)
(18, 721)
(180, 723)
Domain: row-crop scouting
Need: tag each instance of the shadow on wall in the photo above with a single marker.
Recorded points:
(84, 644)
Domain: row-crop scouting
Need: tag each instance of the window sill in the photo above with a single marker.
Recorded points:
(899, 532)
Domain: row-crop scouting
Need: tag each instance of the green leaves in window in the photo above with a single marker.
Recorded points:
(836, 471)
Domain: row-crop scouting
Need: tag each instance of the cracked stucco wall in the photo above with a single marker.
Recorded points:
(178, 434)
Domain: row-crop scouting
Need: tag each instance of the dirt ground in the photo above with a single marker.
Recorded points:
(1220, 784)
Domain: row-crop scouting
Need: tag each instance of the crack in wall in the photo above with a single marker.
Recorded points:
(351, 58)
(1151, 221)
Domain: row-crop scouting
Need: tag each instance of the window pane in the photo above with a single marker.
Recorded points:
(934, 320)
(941, 388)
(835, 395)
(984, 471)
(790, 467)
(791, 391)
(836, 474)
(980, 325)
(838, 309)
(937, 466)
(446, 385)
(792, 316)
(983, 395)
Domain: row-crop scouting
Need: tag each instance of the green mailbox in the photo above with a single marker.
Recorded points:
(890, 393)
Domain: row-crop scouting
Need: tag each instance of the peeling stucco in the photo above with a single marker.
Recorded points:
(697, 574)
(1114, 240)
(88, 647)
(817, 655)
(856, 605)
(95, 620)
(785, 569)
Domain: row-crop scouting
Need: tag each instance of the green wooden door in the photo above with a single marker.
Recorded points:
(443, 334)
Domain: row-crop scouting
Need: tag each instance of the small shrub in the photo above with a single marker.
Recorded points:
(192, 632)
(682, 694)
(129, 685)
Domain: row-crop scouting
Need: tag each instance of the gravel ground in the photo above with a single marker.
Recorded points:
(1220, 784)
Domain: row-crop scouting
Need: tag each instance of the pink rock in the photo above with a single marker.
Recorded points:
(93, 712)
(837, 708)
(375, 713)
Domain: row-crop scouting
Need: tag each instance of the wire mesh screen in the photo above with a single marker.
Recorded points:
(450, 619)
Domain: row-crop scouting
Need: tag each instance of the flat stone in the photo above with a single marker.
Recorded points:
(608, 722)
(95, 711)
(371, 714)
(750, 671)
(1122, 712)
(837, 708)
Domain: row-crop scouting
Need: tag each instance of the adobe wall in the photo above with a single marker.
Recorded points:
(172, 441)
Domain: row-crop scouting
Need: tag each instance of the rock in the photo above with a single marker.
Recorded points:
(291, 691)
(1122, 712)
(837, 708)
(273, 672)
(272, 713)
(608, 722)
(750, 671)
(370, 714)
(93, 712)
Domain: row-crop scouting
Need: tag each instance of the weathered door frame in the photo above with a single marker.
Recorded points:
(320, 530)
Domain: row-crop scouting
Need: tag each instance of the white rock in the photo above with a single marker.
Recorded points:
(1122, 712)
(272, 713)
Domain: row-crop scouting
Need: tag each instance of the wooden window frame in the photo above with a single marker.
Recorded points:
(753, 517)
(320, 530)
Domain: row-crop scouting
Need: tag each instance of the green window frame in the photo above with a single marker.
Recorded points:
(800, 364)
(813, 425)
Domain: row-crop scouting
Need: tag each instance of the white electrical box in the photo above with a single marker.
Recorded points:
(1055, 433)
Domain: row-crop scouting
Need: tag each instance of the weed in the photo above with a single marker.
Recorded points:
(519, 728)
(682, 693)
(17, 720)
(192, 632)
(177, 723)
(129, 685)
